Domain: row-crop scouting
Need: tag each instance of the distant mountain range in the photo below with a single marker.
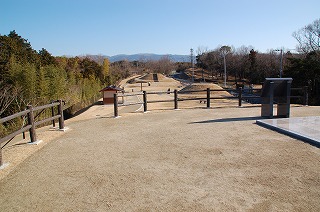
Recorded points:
(143, 57)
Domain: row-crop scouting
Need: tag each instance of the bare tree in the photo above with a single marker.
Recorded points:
(202, 50)
(8, 94)
(165, 65)
(308, 37)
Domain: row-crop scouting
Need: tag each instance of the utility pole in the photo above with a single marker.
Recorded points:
(225, 70)
(192, 64)
(224, 50)
(281, 61)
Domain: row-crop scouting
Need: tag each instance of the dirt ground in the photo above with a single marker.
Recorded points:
(199, 159)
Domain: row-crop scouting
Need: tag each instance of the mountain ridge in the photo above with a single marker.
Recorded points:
(148, 56)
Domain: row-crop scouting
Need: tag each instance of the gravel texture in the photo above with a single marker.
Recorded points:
(200, 159)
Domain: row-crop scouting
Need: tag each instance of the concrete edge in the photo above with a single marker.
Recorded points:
(4, 165)
(288, 133)
(58, 129)
(35, 143)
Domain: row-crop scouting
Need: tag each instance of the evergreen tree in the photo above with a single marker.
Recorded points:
(253, 72)
(56, 79)
(306, 72)
(42, 86)
(46, 58)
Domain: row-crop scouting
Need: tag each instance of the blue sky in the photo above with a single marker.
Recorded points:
(110, 27)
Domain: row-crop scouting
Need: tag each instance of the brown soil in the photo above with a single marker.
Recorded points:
(204, 86)
(151, 77)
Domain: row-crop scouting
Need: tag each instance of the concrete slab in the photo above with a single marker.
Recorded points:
(303, 128)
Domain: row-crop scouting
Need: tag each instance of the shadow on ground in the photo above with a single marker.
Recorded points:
(253, 118)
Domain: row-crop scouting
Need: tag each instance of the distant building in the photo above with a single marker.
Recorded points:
(108, 92)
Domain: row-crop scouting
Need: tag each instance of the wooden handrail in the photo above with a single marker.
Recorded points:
(31, 122)
(8, 118)
(242, 95)
(45, 106)
(47, 120)
(8, 137)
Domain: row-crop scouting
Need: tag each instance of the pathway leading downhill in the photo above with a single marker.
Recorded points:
(172, 160)
(185, 160)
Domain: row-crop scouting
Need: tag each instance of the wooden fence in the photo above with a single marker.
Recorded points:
(32, 124)
(240, 94)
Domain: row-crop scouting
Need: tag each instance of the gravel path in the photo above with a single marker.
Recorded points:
(185, 160)
(214, 159)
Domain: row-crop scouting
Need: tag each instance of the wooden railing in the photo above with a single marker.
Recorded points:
(31, 123)
(240, 94)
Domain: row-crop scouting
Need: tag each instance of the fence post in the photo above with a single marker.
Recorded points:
(144, 101)
(115, 104)
(52, 114)
(240, 97)
(305, 96)
(1, 163)
(60, 112)
(208, 97)
(175, 99)
(32, 130)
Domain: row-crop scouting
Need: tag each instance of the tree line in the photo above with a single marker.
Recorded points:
(35, 77)
(30, 77)
(247, 65)
(243, 63)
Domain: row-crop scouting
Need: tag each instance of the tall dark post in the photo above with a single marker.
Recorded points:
(1, 163)
(115, 104)
(60, 112)
(271, 100)
(208, 97)
(32, 130)
(288, 100)
(52, 114)
(240, 97)
(175, 99)
(145, 101)
(305, 95)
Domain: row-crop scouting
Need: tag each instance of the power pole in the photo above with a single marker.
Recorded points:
(192, 64)
(281, 61)
(225, 70)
